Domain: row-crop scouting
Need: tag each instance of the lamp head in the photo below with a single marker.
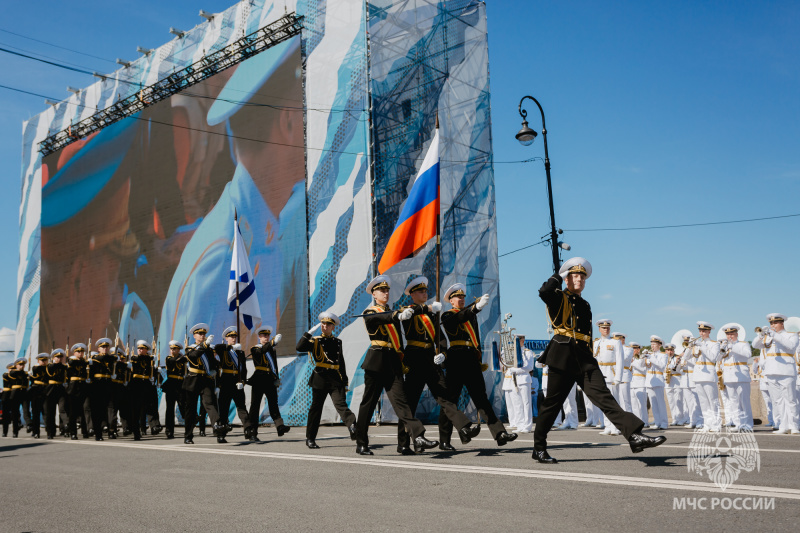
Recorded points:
(526, 136)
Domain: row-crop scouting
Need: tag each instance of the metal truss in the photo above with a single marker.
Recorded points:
(270, 35)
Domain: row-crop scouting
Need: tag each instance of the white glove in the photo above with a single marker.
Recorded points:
(237, 346)
(406, 313)
(277, 339)
(438, 358)
(210, 340)
(315, 328)
(482, 302)
(436, 307)
(240, 385)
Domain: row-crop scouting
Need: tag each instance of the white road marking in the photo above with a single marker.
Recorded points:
(550, 473)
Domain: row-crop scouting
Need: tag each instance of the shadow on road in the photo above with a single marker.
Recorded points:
(22, 445)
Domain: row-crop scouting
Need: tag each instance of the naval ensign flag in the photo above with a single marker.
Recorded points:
(242, 286)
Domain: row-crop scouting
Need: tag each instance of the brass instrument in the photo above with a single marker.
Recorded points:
(508, 347)
(765, 332)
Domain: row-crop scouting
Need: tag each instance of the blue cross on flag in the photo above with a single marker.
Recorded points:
(242, 276)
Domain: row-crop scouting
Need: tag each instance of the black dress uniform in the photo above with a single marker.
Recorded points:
(10, 408)
(77, 396)
(199, 384)
(173, 391)
(55, 396)
(264, 384)
(383, 370)
(569, 359)
(463, 367)
(36, 392)
(141, 390)
(101, 369)
(329, 377)
(232, 370)
(420, 334)
(119, 391)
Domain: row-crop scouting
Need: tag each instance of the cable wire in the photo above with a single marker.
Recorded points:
(56, 46)
(740, 221)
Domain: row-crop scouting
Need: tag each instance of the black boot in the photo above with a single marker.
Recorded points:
(639, 442)
(352, 429)
(543, 457)
(468, 432)
(405, 450)
(446, 447)
(421, 444)
(504, 437)
(363, 450)
(283, 429)
(311, 444)
(188, 440)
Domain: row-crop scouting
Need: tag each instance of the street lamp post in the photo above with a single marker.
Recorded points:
(526, 136)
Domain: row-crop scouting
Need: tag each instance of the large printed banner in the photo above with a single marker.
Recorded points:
(137, 218)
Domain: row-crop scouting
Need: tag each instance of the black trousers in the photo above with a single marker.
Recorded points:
(148, 413)
(173, 394)
(119, 395)
(55, 396)
(432, 376)
(227, 393)
(77, 398)
(270, 392)
(6, 411)
(560, 383)
(25, 403)
(13, 402)
(318, 396)
(102, 402)
(36, 394)
(470, 376)
(209, 401)
(374, 384)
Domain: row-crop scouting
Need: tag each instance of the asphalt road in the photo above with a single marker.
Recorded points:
(280, 485)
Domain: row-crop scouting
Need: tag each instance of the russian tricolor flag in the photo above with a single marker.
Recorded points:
(418, 219)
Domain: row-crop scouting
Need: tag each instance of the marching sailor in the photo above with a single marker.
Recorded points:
(55, 395)
(672, 379)
(625, 383)
(694, 415)
(141, 390)
(464, 363)
(779, 367)
(77, 374)
(120, 379)
(17, 385)
(231, 380)
(736, 375)
(265, 382)
(329, 377)
(570, 360)
(199, 383)
(423, 360)
(172, 388)
(383, 369)
(705, 354)
(37, 391)
(610, 357)
(656, 366)
(101, 370)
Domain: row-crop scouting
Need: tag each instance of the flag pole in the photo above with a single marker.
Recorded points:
(236, 236)
(438, 253)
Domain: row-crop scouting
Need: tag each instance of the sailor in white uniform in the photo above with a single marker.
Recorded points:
(608, 352)
(656, 366)
(758, 373)
(625, 382)
(673, 387)
(705, 354)
(780, 368)
(517, 389)
(736, 376)
(694, 415)
(638, 388)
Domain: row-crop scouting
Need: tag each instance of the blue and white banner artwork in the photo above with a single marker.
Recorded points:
(242, 286)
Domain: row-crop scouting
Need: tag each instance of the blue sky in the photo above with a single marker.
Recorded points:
(658, 113)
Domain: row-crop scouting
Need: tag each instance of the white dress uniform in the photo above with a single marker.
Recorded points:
(638, 388)
(705, 355)
(518, 395)
(594, 417)
(694, 414)
(758, 372)
(570, 404)
(625, 382)
(657, 364)
(610, 357)
(677, 406)
(736, 375)
(781, 370)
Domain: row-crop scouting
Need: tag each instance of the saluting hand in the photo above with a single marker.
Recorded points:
(315, 328)
(482, 302)
(278, 338)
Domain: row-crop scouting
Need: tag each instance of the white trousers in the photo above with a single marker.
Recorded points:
(571, 408)
(639, 403)
(741, 413)
(658, 406)
(615, 393)
(694, 416)
(708, 394)
(625, 396)
(768, 403)
(784, 395)
(518, 403)
(676, 405)
(731, 411)
(594, 415)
